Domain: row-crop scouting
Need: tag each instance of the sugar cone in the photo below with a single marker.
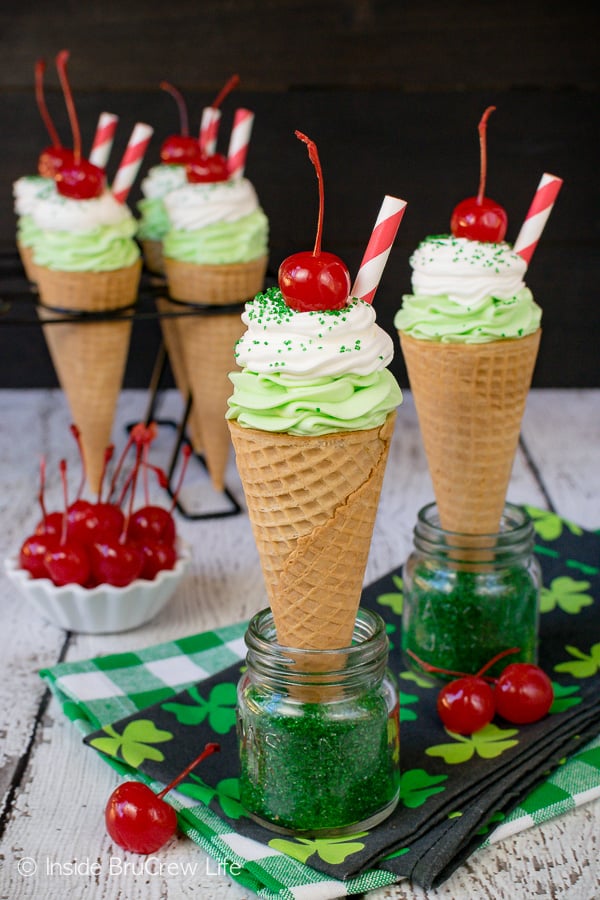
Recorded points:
(170, 333)
(207, 346)
(470, 400)
(26, 255)
(312, 503)
(89, 357)
(153, 256)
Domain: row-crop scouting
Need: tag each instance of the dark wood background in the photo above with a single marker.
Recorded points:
(391, 91)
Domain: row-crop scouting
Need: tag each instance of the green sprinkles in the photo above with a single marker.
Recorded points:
(308, 772)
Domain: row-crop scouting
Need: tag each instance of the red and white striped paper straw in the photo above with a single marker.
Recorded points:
(239, 141)
(132, 160)
(103, 139)
(537, 216)
(378, 248)
(209, 130)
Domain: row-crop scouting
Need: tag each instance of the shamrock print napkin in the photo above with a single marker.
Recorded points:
(456, 792)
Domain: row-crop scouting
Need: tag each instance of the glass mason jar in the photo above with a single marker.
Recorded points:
(469, 597)
(318, 732)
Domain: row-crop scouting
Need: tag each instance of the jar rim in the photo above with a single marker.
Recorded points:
(515, 535)
(368, 651)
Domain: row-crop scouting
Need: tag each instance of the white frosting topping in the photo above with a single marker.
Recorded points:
(57, 213)
(195, 206)
(466, 271)
(312, 344)
(161, 180)
(27, 190)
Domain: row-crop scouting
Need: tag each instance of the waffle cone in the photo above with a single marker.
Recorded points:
(170, 333)
(89, 357)
(207, 343)
(312, 503)
(26, 255)
(470, 400)
(153, 256)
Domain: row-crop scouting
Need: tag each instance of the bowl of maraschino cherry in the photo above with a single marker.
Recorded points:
(109, 565)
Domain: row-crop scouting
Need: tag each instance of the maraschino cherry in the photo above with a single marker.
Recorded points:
(81, 179)
(56, 156)
(46, 535)
(318, 280)
(522, 694)
(211, 167)
(178, 149)
(479, 218)
(67, 562)
(139, 820)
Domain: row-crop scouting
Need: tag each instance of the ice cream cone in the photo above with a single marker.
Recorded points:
(207, 344)
(26, 255)
(170, 333)
(153, 256)
(312, 503)
(470, 400)
(89, 357)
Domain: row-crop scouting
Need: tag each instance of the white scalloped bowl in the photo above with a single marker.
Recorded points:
(104, 609)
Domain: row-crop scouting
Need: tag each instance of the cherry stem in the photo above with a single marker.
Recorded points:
(181, 106)
(187, 452)
(133, 482)
(63, 475)
(429, 667)
(41, 499)
(40, 68)
(108, 455)
(77, 435)
(209, 749)
(119, 466)
(482, 128)
(225, 90)
(61, 65)
(313, 155)
(496, 658)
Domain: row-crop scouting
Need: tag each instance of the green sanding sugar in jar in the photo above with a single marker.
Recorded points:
(318, 766)
(468, 598)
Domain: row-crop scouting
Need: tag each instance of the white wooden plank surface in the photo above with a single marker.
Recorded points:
(56, 814)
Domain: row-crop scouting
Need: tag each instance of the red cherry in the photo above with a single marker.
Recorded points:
(139, 820)
(178, 149)
(204, 169)
(317, 280)
(115, 562)
(466, 704)
(100, 521)
(33, 551)
(157, 555)
(152, 523)
(80, 181)
(76, 516)
(524, 693)
(52, 160)
(310, 282)
(50, 524)
(68, 563)
(479, 218)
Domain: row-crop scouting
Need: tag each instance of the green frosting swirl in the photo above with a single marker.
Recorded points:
(222, 242)
(103, 249)
(154, 221)
(438, 318)
(279, 403)
(28, 232)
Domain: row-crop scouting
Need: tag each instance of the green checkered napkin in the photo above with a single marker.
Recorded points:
(97, 692)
